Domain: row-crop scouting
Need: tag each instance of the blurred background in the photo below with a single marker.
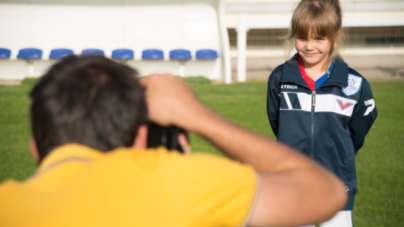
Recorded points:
(222, 40)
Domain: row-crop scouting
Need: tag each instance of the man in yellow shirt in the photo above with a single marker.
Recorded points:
(89, 117)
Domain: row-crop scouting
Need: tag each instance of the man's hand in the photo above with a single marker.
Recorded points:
(170, 100)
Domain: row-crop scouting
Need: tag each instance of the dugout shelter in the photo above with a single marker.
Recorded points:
(110, 25)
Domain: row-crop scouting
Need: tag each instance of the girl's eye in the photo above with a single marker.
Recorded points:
(320, 38)
(302, 38)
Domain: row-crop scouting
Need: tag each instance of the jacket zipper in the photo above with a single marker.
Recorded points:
(313, 106)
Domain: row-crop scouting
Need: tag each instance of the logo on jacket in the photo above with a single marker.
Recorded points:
(344, 105)
(288, 86)
(354, 84)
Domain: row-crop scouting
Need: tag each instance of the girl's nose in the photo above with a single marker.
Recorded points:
(309, 45)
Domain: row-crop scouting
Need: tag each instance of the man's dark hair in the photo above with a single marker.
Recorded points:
(89, 100)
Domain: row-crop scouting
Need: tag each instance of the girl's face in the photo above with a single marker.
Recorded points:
(313, 50)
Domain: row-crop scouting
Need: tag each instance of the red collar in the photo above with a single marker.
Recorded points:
(310, 82)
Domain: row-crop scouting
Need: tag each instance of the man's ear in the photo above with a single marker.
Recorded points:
(33, 148)
(140, 141)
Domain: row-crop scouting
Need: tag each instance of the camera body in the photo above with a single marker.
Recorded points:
(164, 136)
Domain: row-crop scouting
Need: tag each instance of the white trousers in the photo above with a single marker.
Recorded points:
(341, 219)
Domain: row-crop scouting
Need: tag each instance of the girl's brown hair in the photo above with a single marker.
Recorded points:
(318, 18)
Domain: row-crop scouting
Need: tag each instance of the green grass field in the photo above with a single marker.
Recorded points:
(380, 201)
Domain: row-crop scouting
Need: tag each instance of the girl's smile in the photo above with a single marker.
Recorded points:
(313, 50)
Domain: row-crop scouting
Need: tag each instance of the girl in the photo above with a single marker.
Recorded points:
(316, 103)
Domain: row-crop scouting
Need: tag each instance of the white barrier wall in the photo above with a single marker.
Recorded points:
(114, 24)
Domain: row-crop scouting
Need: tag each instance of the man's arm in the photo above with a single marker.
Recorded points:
(294, 190)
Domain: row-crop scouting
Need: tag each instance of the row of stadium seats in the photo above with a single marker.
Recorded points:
(123, 54)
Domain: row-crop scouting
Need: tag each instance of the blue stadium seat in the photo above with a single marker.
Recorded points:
(92, 52)
(206, 54)
(29, 53)
(60, 53)
(123, 54)
(152, 54)
(180, 54)
(4, 53)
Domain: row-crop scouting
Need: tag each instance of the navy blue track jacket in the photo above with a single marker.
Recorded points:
(328, 124)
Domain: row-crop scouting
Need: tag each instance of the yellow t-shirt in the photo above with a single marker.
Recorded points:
(78, 186)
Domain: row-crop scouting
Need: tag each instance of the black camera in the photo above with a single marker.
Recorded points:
(164, 136)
